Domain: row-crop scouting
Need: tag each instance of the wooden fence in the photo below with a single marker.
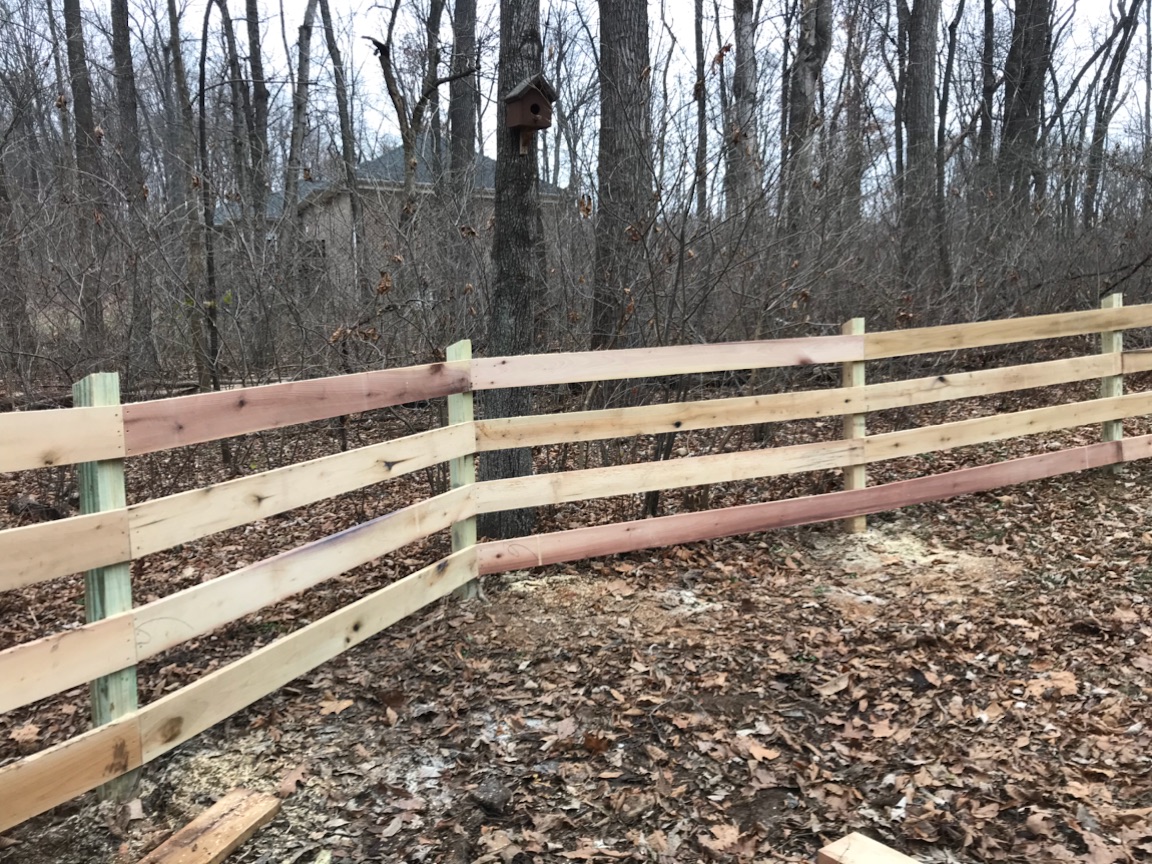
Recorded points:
(101, 434)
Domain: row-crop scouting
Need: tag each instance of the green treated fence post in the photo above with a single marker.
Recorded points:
(855, 476)
(107, 590)
(1112, 342)
(462, 470)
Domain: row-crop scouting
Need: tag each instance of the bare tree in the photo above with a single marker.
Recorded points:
(919, 248)
(1025, 73)
(141, 354)
(516, 251)
(813, 44)
(90, 217)
(624, 171)
(462, 101)
(743, 179)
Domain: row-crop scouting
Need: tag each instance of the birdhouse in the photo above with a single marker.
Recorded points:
(528, 107)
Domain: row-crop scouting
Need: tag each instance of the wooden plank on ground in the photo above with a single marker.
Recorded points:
(500, 433)
(64, 436)
(166, 423)
(41, 781)
(561, 487)
(952, 337)
(858, 848)
(36, 553)
(522, 552)
(53, 776)
(541, 369)
(164, 522)
(218, 831)
(66, 660)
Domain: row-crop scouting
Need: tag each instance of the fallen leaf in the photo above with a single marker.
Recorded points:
(829, 688)
(29, 733)
(335, 706)
(594, 743)
(724, 838)
(291, 779)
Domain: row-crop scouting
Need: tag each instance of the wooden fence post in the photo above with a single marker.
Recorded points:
(107, 590)
(855, 476)
(1112, 342)
(462, 470)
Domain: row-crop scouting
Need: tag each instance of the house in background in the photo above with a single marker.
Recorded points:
(443, 220)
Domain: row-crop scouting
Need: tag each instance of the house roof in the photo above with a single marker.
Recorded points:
(387, 169)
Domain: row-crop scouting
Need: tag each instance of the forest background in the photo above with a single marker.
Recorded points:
(208, 194)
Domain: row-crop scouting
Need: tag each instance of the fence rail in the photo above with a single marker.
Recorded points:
(42, 667)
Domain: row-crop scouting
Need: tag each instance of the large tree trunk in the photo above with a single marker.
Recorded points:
(299, 124)
(813, 43)
(1025, 74)
(743, 178)
(462, 103)
(15, 322)
(347, 144)
(90, 211)
(142, 358)
(258, 137)
(516, 253)
(918, 249)
(624, 173)
(700, 94)
(1124, 32)
(195, 240)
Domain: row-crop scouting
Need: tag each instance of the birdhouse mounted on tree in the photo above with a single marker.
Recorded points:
(528, 107)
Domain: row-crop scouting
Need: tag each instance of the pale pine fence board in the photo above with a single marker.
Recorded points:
(66, 770)
(62, 436)
(54, 663)
(167, 423)
(578, 543)
(1008, 331)
(582, 426)
(489, 373)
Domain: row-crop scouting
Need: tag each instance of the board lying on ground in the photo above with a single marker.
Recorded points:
(218, 831)
(38, 668)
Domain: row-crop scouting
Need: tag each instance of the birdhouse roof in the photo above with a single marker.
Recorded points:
(536, 82)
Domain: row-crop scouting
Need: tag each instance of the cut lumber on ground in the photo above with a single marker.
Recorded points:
(858, 849)
(214, 834)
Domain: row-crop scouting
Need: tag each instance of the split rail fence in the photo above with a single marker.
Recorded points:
(110, 534)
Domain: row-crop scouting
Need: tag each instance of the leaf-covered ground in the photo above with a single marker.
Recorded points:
(968, 681)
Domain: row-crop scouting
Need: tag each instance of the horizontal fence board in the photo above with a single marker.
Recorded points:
(164, 522)
(489, 373)
(558, 488)
(167, 622)
(998, 427)
(166, 423)
(36, 670)
(42, 781)
(36, 553)
(177, 717)
(62, 772)
(62, 436)
(579, 426)
(980, 334)
(1137, 361)
(504, 555)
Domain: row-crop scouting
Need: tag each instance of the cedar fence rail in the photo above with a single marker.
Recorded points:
(100, 433)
